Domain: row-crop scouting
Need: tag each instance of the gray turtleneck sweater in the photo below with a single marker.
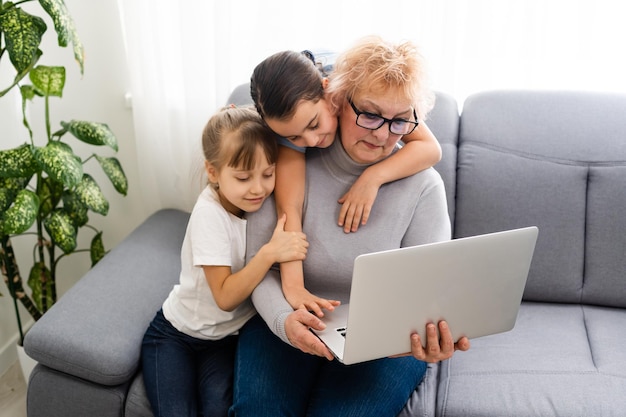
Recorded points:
(407, 212)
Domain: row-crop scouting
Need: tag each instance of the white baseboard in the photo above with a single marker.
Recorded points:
(8, 354)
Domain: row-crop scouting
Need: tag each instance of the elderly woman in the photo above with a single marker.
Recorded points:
(377, 91)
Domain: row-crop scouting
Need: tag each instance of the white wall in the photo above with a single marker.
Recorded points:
(97, 96)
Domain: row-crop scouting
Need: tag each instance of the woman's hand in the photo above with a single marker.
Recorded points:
(438, 347)
(297, 328)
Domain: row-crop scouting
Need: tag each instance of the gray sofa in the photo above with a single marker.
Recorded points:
(513, 158)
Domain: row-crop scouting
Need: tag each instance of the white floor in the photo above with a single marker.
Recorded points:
(13, 393)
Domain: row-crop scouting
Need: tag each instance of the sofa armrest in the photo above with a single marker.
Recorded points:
(95, 330)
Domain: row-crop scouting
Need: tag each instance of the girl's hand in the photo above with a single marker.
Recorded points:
(300, 297)
(357, 204)
(287, 246)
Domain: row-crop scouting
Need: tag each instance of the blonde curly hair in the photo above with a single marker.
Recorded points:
(374, 64)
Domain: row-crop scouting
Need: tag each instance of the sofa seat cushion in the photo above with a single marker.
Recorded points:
(137, 404)
(56, 394)
(560, 359)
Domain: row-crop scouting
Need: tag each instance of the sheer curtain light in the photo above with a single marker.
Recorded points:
(186, 56)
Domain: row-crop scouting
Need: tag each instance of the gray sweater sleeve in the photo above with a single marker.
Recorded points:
(271, 304)
(268, 297)
(430, 221)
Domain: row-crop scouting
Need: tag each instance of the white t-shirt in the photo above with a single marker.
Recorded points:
(214, 237)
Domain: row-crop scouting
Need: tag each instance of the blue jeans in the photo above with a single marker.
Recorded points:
(275, 379)
(185, 376)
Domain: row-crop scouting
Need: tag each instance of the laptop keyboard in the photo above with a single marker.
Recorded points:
(342, 331)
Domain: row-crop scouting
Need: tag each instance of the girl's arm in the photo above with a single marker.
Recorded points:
(421, 151)
(230, 290)
(289, 196)
(289, 190)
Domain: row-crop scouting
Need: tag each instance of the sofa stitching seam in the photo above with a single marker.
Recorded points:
(528, 155)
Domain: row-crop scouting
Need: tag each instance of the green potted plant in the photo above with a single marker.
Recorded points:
(45, 193)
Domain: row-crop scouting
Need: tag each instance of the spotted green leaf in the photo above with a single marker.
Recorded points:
(28, 91)
(18, 162)
(61, 230)
(6, 198)
(49, 81)
(50, 193)
(97, 249)
(65, 28)
(14, 183)
(9, 188)
(75, 209)
(113, 169)
(91, 195)
(60, 163)
(38, 279)
(22, 35)
(21, 215)
(92, 132)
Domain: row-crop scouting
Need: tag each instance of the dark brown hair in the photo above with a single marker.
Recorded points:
(280, 81)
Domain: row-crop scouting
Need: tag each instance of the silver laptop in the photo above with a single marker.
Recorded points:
(474, 283)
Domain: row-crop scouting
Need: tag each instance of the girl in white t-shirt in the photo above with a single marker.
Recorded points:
(188, 350)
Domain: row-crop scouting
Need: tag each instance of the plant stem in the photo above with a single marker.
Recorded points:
(13, 279)
(40, 250)
(17, 3)
(9, 281)
(48, 130)
(53, 280)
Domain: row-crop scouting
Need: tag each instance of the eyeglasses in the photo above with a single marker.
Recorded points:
(373, 121)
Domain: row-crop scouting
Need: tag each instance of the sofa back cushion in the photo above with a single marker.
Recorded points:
(443, 121)
(240, 96)
(556, 160)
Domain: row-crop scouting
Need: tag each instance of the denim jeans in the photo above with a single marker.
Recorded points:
(275, 379)
(185, 376)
